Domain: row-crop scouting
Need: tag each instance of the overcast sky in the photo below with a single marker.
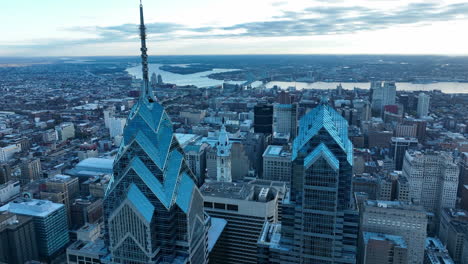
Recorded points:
(178, 27)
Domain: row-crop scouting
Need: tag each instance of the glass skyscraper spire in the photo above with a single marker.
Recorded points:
(153, 208)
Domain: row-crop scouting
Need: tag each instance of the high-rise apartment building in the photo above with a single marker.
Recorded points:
(318, 223)
(433, 180)
(153, 210)
(397, 219)
(423, 105)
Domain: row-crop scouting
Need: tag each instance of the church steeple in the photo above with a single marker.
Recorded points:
(147, 90)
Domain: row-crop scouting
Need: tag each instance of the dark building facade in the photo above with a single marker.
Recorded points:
(263, 119)
(17, 239)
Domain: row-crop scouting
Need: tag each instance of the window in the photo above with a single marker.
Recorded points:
(208, 204)
(232, 207)
(220, 206)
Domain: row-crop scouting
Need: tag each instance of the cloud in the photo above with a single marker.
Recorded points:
(311, 21)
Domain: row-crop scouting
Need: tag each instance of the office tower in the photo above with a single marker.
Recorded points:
(436, 253)
(17, 239)
(389, 93)
(116, 126)
(85, 210)
(423, 105)
(50, 223)
(65, 131)
(160, 80)
(462, 180)
(420, 127)
(5, 172)
(89, 252)
(433, 180)
(277, 164)
(8, 191)
(398, 148)
(453, 232)
(240, 163)
(263, 119)
(223, 156)
(366, 184)
(30, 170)
(153, 210)
(397, 219)
(245, 207)
(7, 152)
(382, 248)
(382, 95)
(318, 224)
(339, 89)
(363, 110)
(61, 189)
(195, 155)
(285, 119)
(154, 80)
(406, 130)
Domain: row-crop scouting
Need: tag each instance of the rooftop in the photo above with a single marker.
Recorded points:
(95, 163)
(398, 240)
(243, 191)
(276, 151)
(31, 207)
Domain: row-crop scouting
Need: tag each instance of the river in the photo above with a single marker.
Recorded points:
(201, 79)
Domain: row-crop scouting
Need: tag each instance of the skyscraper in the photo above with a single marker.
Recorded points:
(318, 225)
(423, 105)
(382, 95)
(153, 210)
(433, 180)
(396, 219)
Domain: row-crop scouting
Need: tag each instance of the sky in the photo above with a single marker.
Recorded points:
(189, 27)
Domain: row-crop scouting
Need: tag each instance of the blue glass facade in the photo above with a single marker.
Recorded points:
(152, 208)
(319, 225)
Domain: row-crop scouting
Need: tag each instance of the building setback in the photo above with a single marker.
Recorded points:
(245, 207)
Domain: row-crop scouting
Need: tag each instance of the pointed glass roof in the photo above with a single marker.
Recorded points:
(323, 117)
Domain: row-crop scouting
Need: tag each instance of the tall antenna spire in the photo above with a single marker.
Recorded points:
(147, 91)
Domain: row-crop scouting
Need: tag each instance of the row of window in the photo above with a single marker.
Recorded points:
(229, 207)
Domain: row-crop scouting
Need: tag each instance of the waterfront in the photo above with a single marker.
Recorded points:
(201, 79)
(446, 87)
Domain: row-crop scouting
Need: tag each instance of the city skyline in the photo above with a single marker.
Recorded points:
(52, 28)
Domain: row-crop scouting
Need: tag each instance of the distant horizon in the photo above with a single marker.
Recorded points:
(242, 54)
(50, 28)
